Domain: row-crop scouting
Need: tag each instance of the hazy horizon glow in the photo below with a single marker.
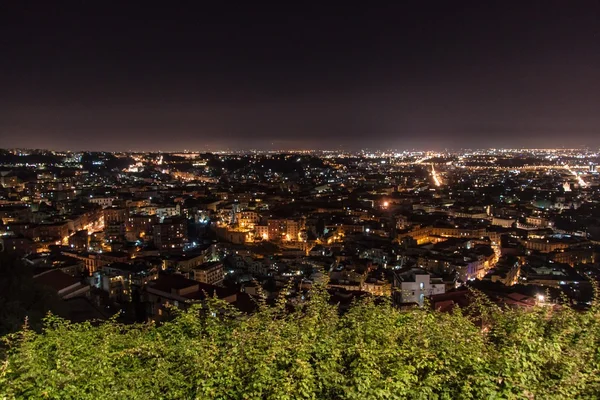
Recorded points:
(397, 76)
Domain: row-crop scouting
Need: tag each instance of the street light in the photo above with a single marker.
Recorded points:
(541, 298)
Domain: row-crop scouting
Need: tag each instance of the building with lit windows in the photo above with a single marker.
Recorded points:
(170, 234)
(413, 285)
(210, 273)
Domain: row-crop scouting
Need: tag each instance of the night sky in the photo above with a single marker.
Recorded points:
(425, 75)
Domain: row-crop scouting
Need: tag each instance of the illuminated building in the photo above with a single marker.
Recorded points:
(171, 234)
(283, 229)
(413, 285)
(210, 273)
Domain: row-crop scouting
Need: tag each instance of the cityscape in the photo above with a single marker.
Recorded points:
(254, 200)
(137, 238)
(127, 231)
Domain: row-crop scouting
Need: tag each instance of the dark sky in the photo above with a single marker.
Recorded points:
(102, 75)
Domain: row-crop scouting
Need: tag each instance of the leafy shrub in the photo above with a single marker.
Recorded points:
(374, 351)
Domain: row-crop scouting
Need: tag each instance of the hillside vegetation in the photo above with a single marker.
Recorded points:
(374, 351)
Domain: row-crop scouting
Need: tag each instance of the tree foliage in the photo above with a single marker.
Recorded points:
(374, 351)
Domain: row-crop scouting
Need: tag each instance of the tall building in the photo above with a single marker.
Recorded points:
(141, 226)
(277, 229)
(171, 233)
(211, 273)
(283, 229)
(115, 215)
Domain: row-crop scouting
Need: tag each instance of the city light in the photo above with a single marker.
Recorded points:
(436, 178)
(580, 180)
(541, 299)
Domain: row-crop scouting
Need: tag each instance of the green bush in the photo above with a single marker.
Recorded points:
(374, 351)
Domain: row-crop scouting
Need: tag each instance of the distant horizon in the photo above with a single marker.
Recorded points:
(328, 150)
(297, 146)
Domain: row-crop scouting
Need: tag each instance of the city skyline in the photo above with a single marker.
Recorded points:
(367, 152)
(458, 75)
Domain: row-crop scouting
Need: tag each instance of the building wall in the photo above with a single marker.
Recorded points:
(417, 291)
(212, 275)
(170, 234)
